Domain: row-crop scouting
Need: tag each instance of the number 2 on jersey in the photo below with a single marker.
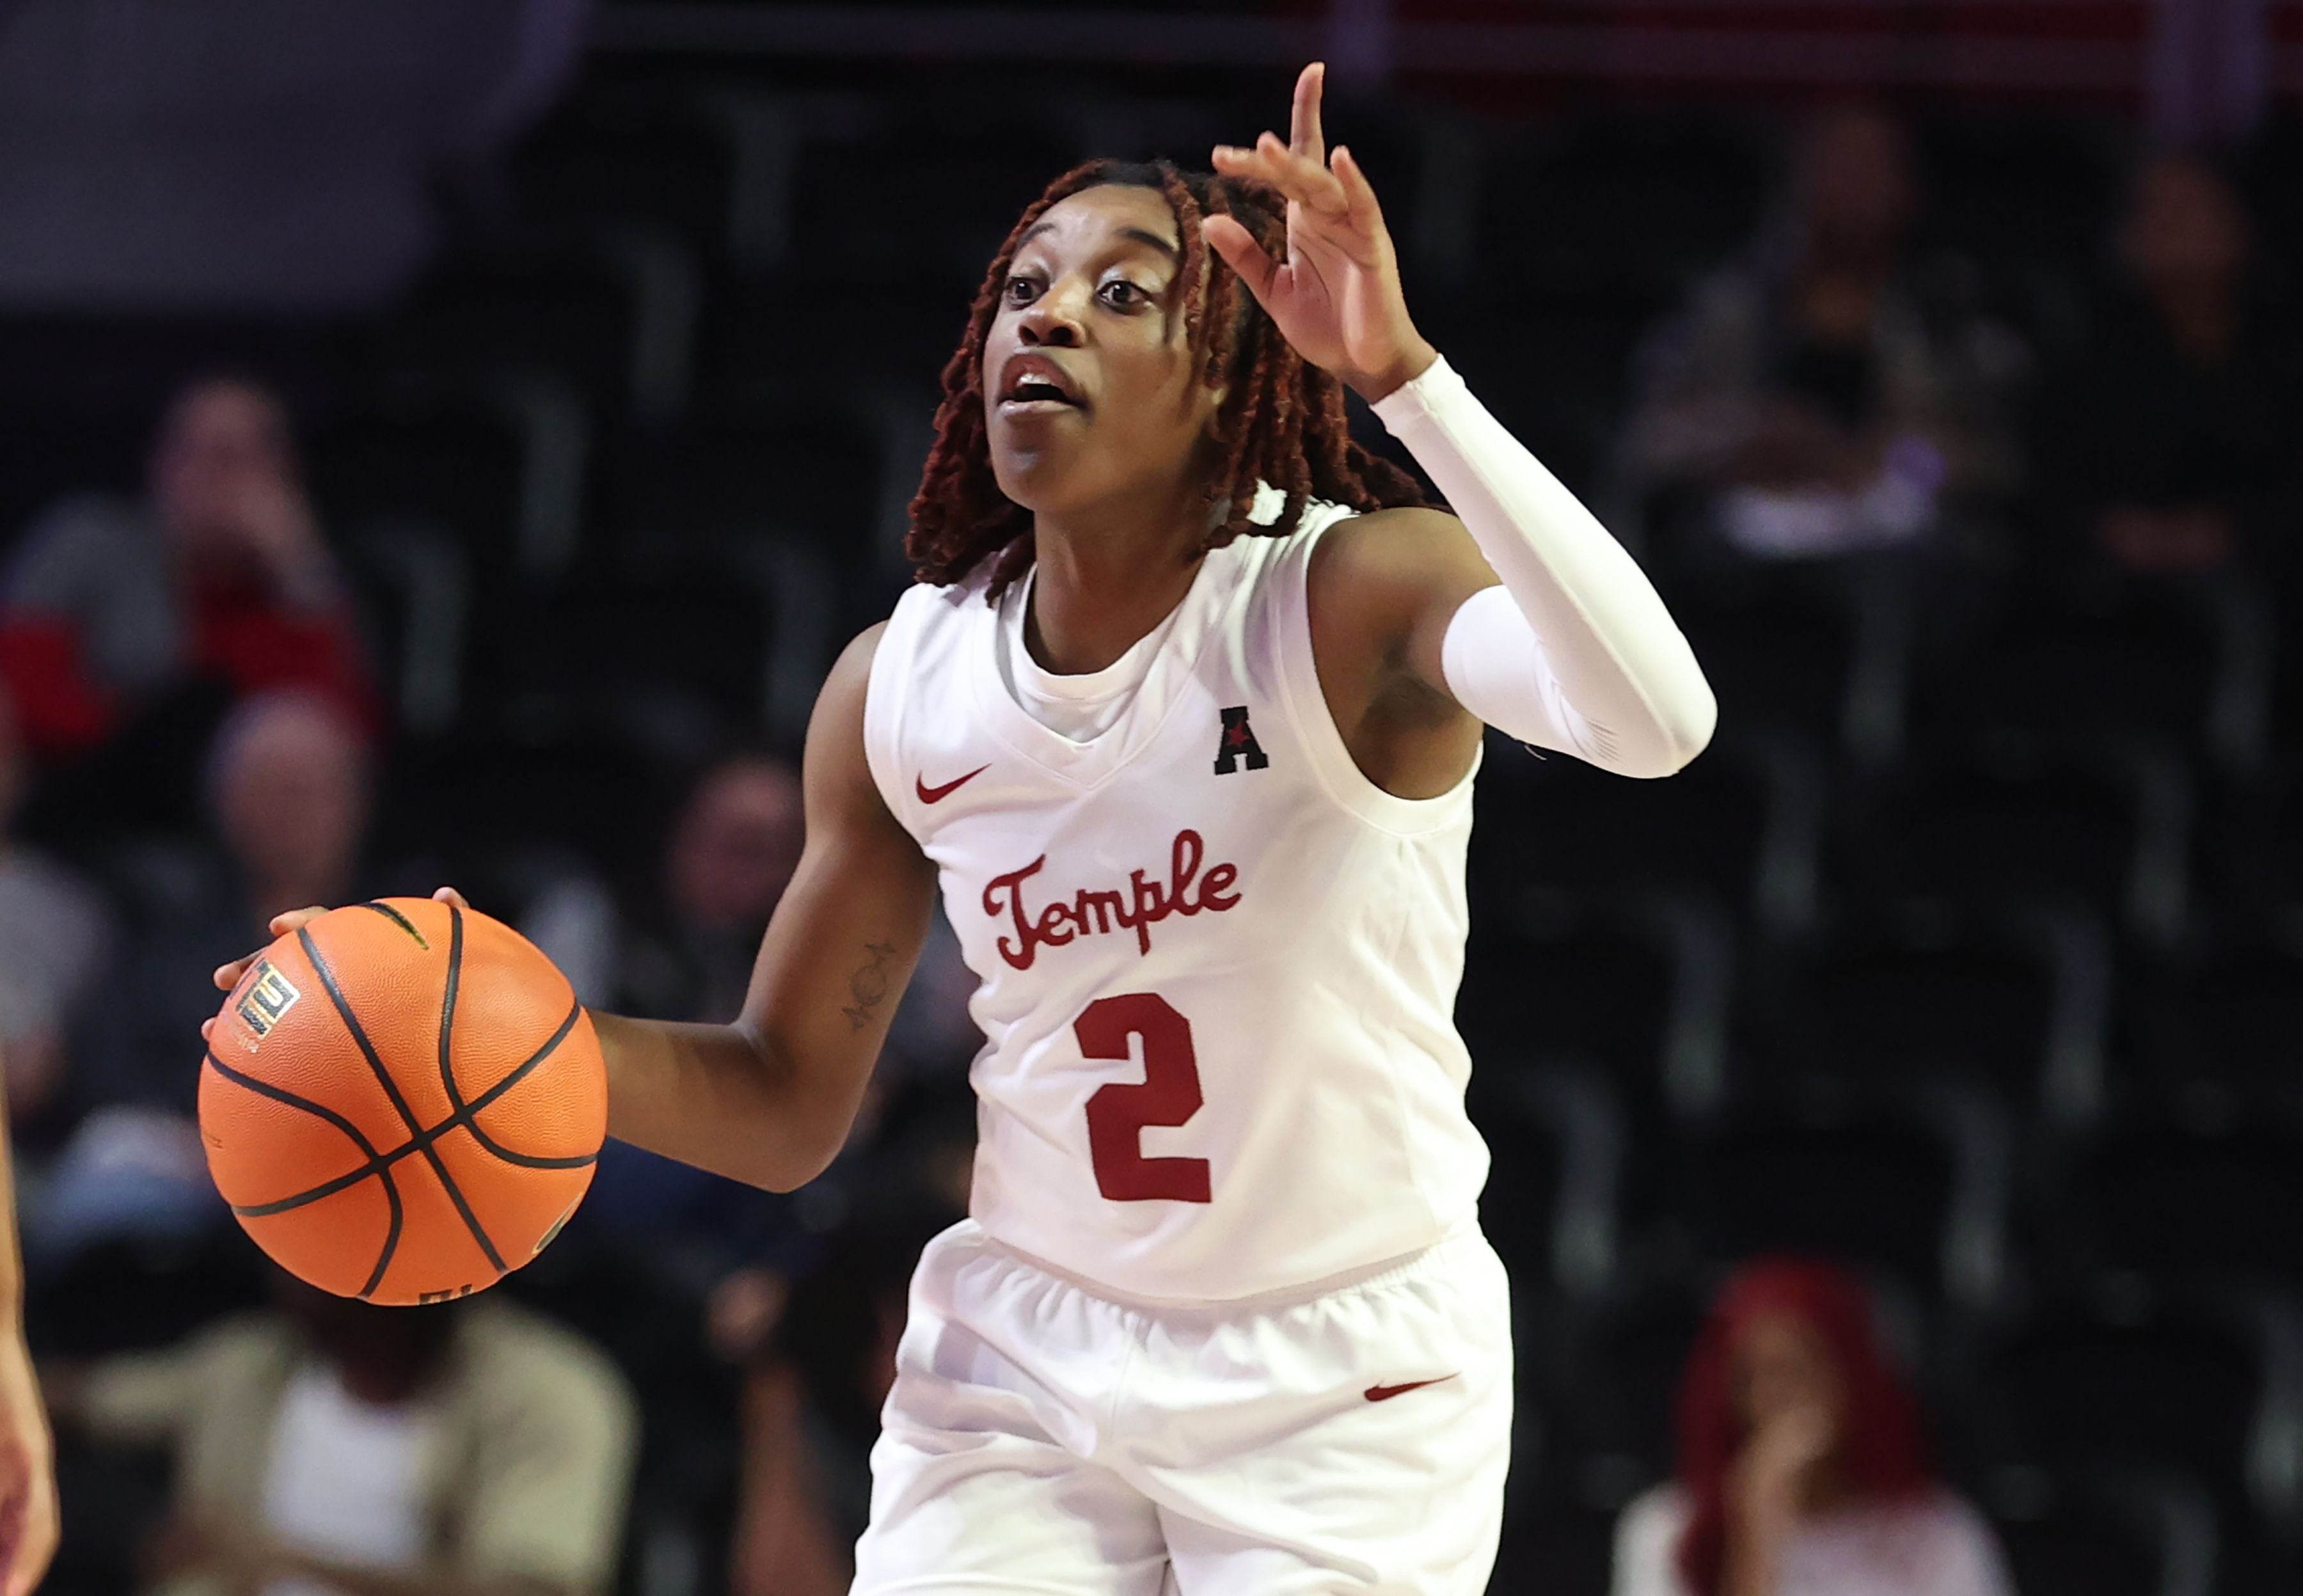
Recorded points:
(1169, 1094)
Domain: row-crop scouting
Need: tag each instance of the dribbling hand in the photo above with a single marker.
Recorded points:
(227, 975)
(1337, 297)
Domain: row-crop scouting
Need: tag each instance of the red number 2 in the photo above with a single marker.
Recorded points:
(1169, 1094)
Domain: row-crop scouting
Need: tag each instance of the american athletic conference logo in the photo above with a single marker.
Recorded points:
(1237, 742)
(1091, 912)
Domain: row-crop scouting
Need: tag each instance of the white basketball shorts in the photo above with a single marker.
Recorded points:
(1043, 1439)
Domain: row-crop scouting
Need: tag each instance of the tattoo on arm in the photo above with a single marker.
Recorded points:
(869, 985)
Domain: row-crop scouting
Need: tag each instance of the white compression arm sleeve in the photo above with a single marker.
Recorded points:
(1575, 651)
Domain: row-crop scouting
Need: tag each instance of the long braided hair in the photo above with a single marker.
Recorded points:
(1282, 422)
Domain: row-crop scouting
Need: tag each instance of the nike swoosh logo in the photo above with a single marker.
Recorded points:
(936, 795)
(1385, 1393)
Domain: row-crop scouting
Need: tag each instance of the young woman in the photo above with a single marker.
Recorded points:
(1801, 1467)
(1182, 719)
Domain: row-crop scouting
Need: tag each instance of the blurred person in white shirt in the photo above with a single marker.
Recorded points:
(1801, 1468)
(333, 1448)
(1829, 391)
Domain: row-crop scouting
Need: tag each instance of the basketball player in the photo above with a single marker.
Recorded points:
(1182, 719)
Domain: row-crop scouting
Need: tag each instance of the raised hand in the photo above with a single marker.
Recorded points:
(1772, 1474)
(1337, 297)
(276, 523)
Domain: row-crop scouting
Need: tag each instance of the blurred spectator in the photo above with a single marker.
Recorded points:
(685, 949)
(288, 802)
(685, 952)
(812, 1400)
(287, 791)
(1813, 399)
(330, 1447)
(1801, 1463)
(54, 935)
(125, 628)
(2169, 441)
(688, 954)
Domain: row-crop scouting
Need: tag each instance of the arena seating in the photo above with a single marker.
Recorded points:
(2103, 1532)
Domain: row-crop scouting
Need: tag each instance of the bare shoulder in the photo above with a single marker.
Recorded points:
(1409, 531)
(1376, 579)
(1403, 556)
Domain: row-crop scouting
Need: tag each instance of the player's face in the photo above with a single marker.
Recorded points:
(1091, 393)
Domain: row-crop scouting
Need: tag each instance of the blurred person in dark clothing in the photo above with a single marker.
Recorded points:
(287, 791)
(288, 799)
(685, 952)
(676, 950)
(330, 1446)
(1815, 397)
(126, 627)
(1802, 1467)
(2168, 444)
(732, 853)
(56, 936)
(682, 951)
(812, 1395)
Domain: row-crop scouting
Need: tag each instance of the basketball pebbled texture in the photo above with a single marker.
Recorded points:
(402, 1102)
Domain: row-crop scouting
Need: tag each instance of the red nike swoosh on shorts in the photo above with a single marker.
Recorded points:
(1385, 1393)
(936, 795)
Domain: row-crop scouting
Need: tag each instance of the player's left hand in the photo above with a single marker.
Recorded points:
(1337, 297)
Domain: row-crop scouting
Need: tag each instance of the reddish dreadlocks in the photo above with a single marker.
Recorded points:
(1282, 422)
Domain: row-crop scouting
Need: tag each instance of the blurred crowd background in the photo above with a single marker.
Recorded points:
(446, 441)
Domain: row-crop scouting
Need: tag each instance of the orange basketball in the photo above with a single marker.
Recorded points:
(402, 1102)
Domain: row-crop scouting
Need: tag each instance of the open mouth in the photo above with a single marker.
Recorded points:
(1034, 380)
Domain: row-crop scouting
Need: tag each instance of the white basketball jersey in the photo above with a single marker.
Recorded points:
(1217, 964)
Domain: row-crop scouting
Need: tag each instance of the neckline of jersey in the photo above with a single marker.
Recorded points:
(1087, 687)
(1175, 656)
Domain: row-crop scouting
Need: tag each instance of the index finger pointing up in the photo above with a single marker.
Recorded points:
(1304, 138)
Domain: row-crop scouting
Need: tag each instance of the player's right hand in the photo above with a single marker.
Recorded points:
(227, 975)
